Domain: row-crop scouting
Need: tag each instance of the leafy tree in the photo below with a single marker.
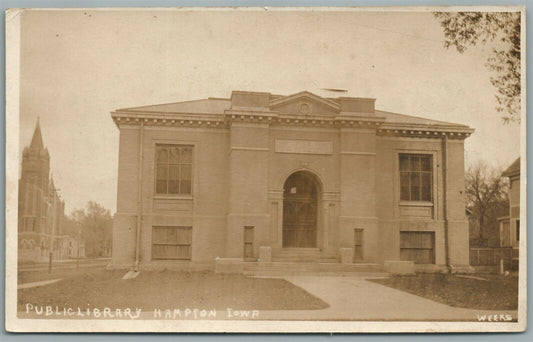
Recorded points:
(463, 29)
(96, 228)
(487, 199)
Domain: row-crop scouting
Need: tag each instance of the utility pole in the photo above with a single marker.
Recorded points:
(79, 237)
(54, 208)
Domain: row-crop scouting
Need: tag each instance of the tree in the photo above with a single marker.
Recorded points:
(96, 228)
(463, 29)
(487, 199)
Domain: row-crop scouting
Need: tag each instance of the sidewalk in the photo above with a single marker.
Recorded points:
(354, 298)
(37, 283)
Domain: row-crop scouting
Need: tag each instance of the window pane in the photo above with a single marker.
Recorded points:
(174, 155)
(159, 235)
(185, 187)
(184, 235)
(415, 163)
(185, 173)
(426, 163)
(172, 235)
(415, 186)
(185, 180)
(173, 187)
(161, 172)
(404, 184)
(184, 252)
(186, 155)
(161, 187)
(162, 155)
(173, 172)
(404, 163)
(171, 252)
(158, 252)
(426, 187)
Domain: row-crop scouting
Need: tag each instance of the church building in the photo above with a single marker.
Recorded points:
(40, 208)
(259, 178)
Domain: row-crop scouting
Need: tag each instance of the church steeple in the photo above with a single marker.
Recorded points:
(37, 139)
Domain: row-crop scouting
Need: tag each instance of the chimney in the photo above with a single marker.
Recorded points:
(357, 105)
(249, 99)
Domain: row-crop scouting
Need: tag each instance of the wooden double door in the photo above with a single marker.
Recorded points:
(300, 210)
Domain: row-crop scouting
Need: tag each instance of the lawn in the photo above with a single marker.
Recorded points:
(170, 289)
(494, 293)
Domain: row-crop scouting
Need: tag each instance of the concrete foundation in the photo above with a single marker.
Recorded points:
(229, 266)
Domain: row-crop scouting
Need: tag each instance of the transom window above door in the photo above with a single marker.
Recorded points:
(416, 177)
(173, 169)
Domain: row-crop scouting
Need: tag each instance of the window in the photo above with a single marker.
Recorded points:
(415, 177)
(172, 243)
(173, 169)
(358, 245)
(517, 230)
(418, 247)
(248, 242)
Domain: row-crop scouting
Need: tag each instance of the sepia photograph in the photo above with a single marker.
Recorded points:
(319, 169)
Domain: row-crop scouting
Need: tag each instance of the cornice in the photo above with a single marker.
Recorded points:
(435, 132)
(207, 120)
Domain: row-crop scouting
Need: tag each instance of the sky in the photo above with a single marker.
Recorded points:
(79, 65)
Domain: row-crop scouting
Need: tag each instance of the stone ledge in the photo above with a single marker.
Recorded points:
(346, 255)
(399, 267)
(229, 266)
(265, 254)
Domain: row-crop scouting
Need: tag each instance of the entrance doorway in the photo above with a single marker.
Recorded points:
(300, 210)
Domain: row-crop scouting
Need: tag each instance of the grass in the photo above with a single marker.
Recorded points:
(494, 293)
(170, 289)
(57, 273)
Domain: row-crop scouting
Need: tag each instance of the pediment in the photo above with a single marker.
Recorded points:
(305, 103)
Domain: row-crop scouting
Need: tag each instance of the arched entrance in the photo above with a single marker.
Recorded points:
(300, 210)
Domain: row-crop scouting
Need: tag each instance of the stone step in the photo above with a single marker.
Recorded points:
(315, 273)
(304, 258)
(310, 268)
(296, 250)
(303, 255)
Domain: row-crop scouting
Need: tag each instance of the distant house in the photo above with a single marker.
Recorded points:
(272, 177)
(510, 225)
(72, 245)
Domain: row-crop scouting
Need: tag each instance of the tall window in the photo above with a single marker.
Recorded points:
(418, 247)
(416, 173)
(173, 169)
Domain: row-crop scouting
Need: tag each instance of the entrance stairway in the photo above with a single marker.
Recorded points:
(309, 261)
(302, 255)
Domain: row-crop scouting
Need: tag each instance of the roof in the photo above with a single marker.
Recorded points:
(512, 170)
(37, 139)
(205, 106)
(219, 105)
(404, 119)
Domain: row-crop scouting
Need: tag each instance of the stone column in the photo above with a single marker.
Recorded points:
(248, 187)
(357, 188)
(458, 240)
